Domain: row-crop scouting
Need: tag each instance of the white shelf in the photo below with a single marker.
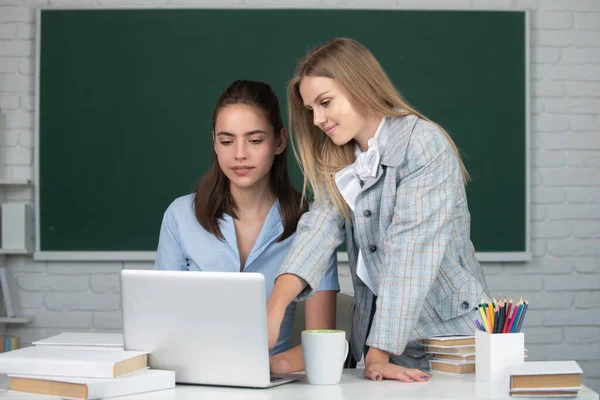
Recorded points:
(10, 181)
(14, 320)
(15, 251)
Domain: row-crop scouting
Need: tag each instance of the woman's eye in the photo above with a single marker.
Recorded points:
(325, 103)
(256, 141)
(226, 142)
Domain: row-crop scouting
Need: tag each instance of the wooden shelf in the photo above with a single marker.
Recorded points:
(15, 251)
(11, 181)
(14, 320)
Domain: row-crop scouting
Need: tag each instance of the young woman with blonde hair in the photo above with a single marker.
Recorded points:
(389, 182)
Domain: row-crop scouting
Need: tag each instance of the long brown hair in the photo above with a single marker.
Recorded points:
(213, 197)
(368, 87)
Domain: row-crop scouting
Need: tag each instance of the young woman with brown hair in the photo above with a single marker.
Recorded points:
(244, 213)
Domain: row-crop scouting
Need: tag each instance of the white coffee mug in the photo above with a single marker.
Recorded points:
(324, 354)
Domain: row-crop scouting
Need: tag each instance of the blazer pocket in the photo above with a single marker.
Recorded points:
(462, 301)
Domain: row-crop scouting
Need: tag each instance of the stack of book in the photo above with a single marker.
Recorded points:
(545, 379)
(451, 354)
(8, 343)
(82, 366)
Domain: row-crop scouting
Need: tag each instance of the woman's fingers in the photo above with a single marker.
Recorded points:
(373, 373)
(397, 373)
(379, 371)
(417, 375)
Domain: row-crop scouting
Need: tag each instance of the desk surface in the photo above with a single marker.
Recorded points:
(353, 386)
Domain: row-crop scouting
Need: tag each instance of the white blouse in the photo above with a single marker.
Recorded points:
(351, 179)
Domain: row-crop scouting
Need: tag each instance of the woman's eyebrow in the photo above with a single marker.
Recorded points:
(252, 132)
(319, 96)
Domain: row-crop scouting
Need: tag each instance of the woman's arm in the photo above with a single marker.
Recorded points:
(320, 231)
(286, 288)
(320, 310)
(319, 314)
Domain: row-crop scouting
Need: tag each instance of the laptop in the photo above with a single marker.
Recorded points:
(208, 327)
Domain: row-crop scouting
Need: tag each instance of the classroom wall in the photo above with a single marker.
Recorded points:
(562, 282)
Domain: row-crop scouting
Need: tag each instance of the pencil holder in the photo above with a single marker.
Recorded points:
(495, 352)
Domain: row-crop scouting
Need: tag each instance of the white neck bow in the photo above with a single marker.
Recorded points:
(364, 169)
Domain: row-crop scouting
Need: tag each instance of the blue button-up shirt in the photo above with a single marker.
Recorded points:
(185, 245)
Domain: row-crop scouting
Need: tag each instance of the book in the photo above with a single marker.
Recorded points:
(453, 357)
(458, 368)
(545, 376)
(470, 350)
(15, 342)
(94, 388)
(445, 341)
(546, 394)
(84, 340)
(9, 297)
(60, 361)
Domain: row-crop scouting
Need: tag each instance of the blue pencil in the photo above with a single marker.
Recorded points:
(522, 317)
(513, 329)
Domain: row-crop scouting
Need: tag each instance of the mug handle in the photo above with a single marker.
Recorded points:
(345, 351)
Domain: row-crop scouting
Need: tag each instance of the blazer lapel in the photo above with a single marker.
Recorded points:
(399, 130)
(395, 148)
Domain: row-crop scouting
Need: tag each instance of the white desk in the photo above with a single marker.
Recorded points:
(353, 386)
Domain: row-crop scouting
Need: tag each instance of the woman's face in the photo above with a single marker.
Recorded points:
(332, 109)
(246, 145)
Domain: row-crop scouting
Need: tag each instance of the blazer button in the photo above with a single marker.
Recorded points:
(373, 248)
(464, 305)
(367, 213)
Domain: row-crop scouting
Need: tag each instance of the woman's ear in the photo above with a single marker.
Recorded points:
(281, 141)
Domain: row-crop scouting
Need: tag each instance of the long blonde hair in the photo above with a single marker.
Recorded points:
(368, 87)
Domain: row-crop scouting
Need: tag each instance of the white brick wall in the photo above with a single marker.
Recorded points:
(563, 280)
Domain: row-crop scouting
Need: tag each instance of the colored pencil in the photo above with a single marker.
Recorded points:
(522, 317)
(507, 317)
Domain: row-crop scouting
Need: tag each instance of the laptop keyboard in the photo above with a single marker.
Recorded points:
(275, 378)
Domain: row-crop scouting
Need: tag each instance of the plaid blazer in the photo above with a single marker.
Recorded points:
(412, 224)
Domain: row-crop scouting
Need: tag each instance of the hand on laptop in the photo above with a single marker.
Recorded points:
(287, 362)
(378, 367)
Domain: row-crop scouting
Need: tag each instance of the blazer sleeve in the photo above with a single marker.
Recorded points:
(417, 237)
(320, 231)
(330, 280)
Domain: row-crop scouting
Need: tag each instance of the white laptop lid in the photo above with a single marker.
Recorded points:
(208, 327)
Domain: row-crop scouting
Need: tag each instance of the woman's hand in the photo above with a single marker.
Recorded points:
(287, 362)
(378, 367)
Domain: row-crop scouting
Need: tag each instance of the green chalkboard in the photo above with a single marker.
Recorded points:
(126, 99)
